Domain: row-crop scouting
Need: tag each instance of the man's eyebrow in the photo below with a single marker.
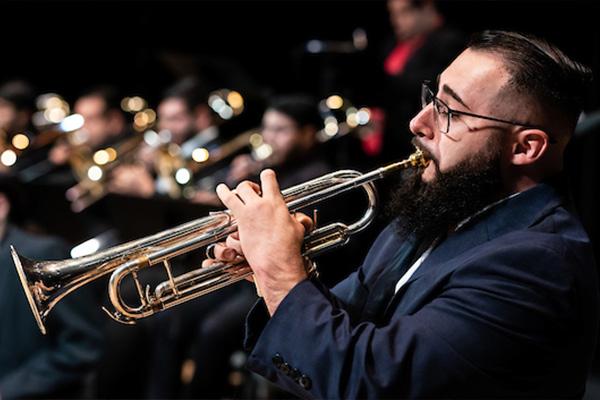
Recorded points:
(447, 89)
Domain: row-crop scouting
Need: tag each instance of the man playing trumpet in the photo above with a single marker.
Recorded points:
(483, 285)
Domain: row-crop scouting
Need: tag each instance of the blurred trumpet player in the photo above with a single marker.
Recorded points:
(185, 122)
(104, 125)
(104, 122)
(17, 104)
(289, 132)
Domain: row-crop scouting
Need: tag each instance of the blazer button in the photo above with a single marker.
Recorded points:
(305, 382)
(285, 368)
(295, 374)
(277, 360)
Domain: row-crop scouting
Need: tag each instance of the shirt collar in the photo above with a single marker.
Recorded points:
(484, 209)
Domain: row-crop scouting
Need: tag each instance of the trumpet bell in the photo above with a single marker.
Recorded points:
(25, 269)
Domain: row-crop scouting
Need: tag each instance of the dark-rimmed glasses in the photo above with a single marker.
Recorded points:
(443, 114)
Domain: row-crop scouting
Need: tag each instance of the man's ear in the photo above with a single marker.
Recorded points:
(529, 146)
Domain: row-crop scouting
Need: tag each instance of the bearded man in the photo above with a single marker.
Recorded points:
(483, 286)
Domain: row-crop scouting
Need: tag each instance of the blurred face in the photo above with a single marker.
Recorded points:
(97, 125)
(283, 134)
(4, 208)
(174, 116)
(8, 116)
(406, 19)
(472, 83)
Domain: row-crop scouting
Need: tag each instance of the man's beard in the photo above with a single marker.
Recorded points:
(430, 209)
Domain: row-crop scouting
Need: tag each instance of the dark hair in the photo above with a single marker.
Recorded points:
(108, 93)
(539, 70)
(300, 107)
(190, 89)
(19, 93)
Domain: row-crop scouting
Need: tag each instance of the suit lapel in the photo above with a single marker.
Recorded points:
(516, 213)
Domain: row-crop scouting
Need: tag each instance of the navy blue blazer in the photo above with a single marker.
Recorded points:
(507, 306)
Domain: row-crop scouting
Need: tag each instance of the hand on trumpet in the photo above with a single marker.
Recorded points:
(268, 237)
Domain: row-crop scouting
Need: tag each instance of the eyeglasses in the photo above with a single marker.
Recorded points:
(443, 114)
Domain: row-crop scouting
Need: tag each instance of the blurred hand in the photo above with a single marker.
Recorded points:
(146, 156)
(270, 238)
(132, 180)
(206, 197)
(242, 167)
(60, 153)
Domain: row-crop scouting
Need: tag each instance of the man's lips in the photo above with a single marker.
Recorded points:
(426, 153)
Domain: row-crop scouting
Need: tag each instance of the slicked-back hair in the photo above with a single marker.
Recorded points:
(110, 94)
(19, 93)
(302, 108)
(539, 70)
(190, 89)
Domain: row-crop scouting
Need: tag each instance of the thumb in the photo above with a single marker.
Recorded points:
(305, 220)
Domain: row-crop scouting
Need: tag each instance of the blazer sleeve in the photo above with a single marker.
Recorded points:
(504, 303)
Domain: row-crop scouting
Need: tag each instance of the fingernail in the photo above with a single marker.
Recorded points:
(229, 254)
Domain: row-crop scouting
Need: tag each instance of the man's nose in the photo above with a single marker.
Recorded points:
(422, 124)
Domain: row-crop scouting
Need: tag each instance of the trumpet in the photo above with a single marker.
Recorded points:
(47, 282)
(179, 172)
(92, 171)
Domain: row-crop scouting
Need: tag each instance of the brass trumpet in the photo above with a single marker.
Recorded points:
(93, 168)
(180, 172)
(47, 282)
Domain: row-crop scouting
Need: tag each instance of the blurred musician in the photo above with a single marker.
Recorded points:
(185, 122)
(422, 45)
(17, 104)
(289, 129)
(105, 123)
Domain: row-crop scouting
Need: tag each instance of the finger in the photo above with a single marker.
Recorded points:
(305, 220)
(248, 191)
(229, 198)
(255, 186)
(208, 262)
(234, 243)
(224, 253)
(268, 181)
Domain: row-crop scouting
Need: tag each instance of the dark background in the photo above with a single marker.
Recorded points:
(256, 46)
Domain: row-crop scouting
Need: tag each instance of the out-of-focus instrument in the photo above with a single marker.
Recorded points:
(341, 117)
(182, 171)
(47, 282)
(92, 171)
(177, 170)
(12, 145)
(52, 121)
(357, 44)
(92, 168)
